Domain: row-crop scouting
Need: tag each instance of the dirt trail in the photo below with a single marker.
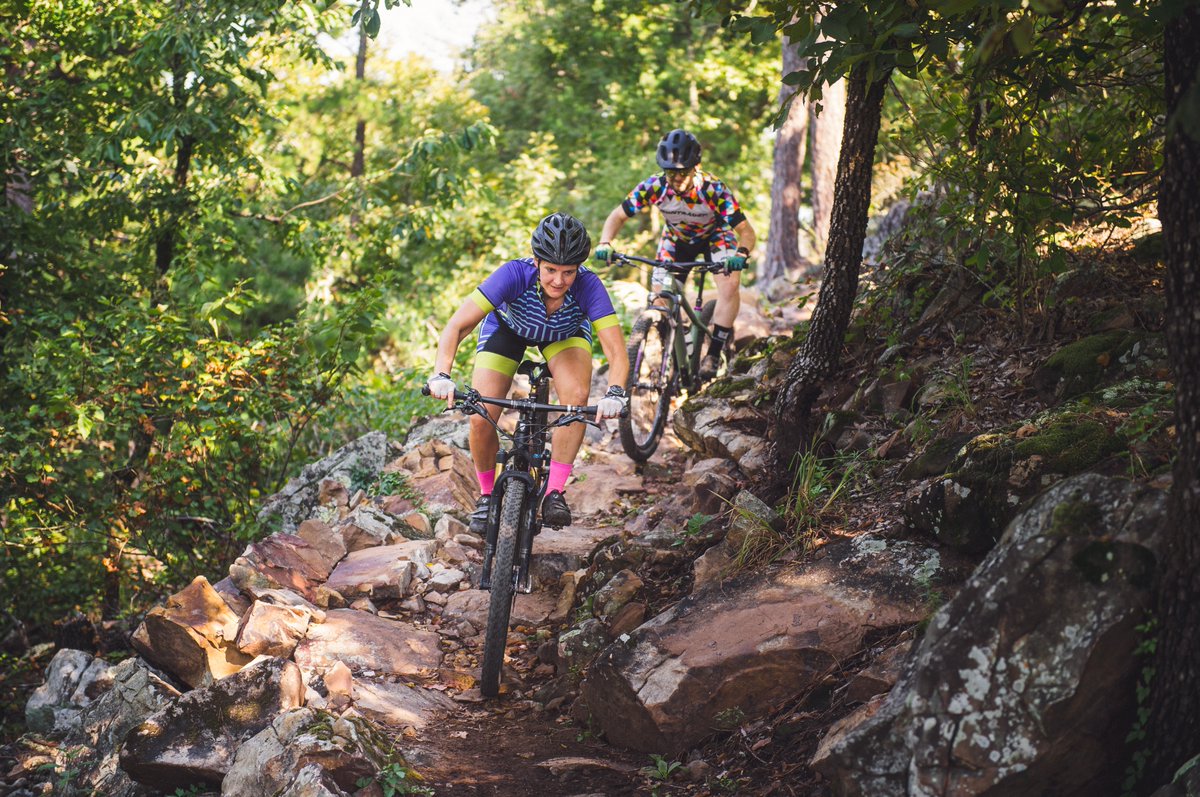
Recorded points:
(513, 746)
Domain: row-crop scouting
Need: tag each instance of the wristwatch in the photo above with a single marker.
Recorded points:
(615, 391)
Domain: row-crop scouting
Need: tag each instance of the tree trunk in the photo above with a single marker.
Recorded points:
(826, 149)
(358, 164)
(819, 353)
(1175, 700)
(783, 243)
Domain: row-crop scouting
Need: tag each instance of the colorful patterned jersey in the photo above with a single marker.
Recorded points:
(512, 296)
(706, 212)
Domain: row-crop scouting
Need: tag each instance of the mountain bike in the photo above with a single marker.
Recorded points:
(515, 519)
(664, 353)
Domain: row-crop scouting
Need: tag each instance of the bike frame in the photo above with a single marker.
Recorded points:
(673, 292)
(526, 459)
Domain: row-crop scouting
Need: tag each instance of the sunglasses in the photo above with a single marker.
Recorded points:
(679, 172)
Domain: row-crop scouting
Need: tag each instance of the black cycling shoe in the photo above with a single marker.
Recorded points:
(709, 367)
(555, 512)
(478, 524)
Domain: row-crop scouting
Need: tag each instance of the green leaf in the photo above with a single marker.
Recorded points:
(1022, 35)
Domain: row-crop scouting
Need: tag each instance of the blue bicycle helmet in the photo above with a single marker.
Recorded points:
(562, 239)
(678, 149)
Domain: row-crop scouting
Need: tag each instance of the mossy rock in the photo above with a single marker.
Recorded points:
(993, 475)
(726, 387)
(937, 457)
(1086, 364)
(1071, 445)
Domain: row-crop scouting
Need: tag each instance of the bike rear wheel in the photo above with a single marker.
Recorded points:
(651, 385)
(503, 580)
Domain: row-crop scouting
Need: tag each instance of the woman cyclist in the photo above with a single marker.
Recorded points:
(703, 221)
(552, 302)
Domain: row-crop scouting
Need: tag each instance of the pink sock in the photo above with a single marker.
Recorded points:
(559, 473)
(487, 481)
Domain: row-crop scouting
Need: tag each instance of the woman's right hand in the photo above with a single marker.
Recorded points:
(441, 386)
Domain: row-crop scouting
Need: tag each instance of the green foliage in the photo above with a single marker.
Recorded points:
(1137, 737)
(594, 85)
(661, 768)
(397, 778)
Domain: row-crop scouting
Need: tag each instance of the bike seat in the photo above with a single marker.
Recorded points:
(534, 369)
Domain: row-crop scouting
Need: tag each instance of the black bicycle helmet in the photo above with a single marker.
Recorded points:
(562, 239)
(678, 149)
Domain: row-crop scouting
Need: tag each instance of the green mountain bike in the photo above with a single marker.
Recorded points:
(665, 347)
(515, 519)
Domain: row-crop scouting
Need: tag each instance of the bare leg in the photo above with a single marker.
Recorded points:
(572, 372)
(729, 298)
(483, 438)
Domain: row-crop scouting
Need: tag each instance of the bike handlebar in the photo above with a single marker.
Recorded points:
(669, 265)
(471, 395)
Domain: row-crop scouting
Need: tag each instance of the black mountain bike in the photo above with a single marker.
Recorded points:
(665, 347)
(514, 516)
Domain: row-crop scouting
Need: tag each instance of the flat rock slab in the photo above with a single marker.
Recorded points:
(386, 571)
(365, 641)
(400, 704)
(749, 646)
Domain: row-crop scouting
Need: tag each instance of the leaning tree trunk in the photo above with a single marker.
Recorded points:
(1175, 701)
(783, 244)
(819, 353)
(826, 130)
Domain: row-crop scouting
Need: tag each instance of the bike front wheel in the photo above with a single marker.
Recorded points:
(495, 638)
(651, 385)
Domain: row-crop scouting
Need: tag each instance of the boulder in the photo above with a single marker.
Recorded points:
(281, 561)
(1100, 359)
(343, 749)
(750, 519)
(712, 566)
(194, 738)
(444, 475)
(368, 527)
(269, 630)
(137, 692)
(324, 541)
(367, 642)
(187, 636)
(74, 678)
(994, 474)
(291, 506)
(382, 572)
(398, 704)
(237, 602)
(449, 429)
(752, 645)
(609, 600)
(1025, 681)
(724, 422)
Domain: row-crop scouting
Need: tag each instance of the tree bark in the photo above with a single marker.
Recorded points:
(820, 352)
(783, 243)
(826, 130)
(358, 165)
(1175, 697)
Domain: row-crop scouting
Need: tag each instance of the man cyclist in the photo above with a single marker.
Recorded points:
(552, 302)
(703, 221)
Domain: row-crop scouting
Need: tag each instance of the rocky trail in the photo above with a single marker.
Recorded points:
(683, 638)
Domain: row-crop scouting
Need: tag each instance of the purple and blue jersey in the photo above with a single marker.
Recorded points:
(704, 213)
(512, 296)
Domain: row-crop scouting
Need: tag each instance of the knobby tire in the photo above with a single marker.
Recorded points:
(500, 606)
(651, 386)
